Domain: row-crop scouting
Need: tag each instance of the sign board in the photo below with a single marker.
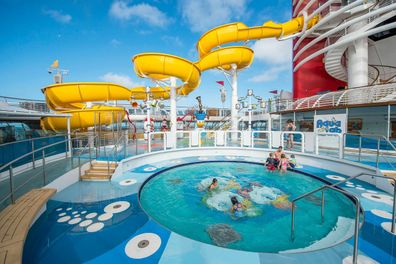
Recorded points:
(330, 123)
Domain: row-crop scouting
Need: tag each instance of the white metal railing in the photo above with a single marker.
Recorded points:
(283, 133)
(269, 138)
(152, 135)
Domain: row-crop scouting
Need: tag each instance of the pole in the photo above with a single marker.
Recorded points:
(394, 207)
(44, 177)
(11, 185)
(173, 112)
(234, 97)
(250, 113)
(389, 122)
(69, 137)
(33, 157)
(378, 151)
(356, 239)
(148, 107)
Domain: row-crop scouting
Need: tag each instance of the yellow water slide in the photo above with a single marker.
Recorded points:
(212, 55)
(73, 97)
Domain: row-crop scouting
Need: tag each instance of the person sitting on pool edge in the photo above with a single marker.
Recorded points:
(278, 153)
(283, 163)
(236, 208)
(292, 161)
(213, 185)
(270, 162)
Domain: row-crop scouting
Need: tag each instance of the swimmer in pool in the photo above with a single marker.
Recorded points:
(236, 208)
(213, 185)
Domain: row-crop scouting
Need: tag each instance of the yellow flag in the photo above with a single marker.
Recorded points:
(55, 64)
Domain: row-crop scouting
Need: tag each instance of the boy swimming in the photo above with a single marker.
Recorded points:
(236, 208)
(213, 185)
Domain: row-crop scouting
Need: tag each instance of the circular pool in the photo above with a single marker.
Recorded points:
(179, 199)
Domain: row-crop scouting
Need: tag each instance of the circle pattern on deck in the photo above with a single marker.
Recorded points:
(378, 198)
(91, 215)
(64, 219)
(361, 260)
(143, 245)
(335, 177)
(85, 223)
(105, 216)
(382, 213)
(117, 207)
(127, 182)
(388, 227)
(95, 227)
(74, 221)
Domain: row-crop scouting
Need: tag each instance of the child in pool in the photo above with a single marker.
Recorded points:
(236, 208)
(213, 185)
(270, 163)
(283, 163)
(292, 161)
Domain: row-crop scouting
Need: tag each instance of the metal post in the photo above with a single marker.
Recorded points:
(394, 207)
(322, 209)
(360, 147)
(69, 140)
(389, 122)
(11, 185)
(125, 145)
(79, 166)
(33, 156)
(136, 145)
(378, 151)
(44, 177)
(66, 150)
(356, 239)
(90, 158)
(292, 219)
(250, 113)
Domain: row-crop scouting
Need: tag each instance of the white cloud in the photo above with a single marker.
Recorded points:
(58, 16)
(121, 79)
(273, 51)
(205, 14)
(151, 15)
(115, 42)
(173, 40)
(271, 74)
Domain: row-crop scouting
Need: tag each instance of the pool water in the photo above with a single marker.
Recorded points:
(179, 200)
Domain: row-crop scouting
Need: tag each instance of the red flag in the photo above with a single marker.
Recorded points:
(220, 82)
(274, 91)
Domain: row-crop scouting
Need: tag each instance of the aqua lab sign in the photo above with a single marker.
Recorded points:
(330, 123)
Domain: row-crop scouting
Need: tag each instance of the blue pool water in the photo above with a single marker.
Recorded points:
(179, 200)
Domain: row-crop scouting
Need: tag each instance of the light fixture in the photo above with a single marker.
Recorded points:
(244, 104)
(237, 106)
(254, 106)
(262, 104)
(249, 92)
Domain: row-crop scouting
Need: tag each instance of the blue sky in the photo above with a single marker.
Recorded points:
(95, 41)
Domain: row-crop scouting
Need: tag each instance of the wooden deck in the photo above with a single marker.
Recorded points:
(15, 221)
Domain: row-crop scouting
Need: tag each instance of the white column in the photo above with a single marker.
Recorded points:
(173, 113)
(234, 97)
(69, 136)
(148, 108)
(358, 59)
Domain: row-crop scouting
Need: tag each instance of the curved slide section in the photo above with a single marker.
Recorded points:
(72, 98)
(159, 66)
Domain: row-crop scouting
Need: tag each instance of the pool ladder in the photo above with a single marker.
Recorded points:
(357, 205)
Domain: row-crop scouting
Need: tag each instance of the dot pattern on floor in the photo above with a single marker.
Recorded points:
(143, 246)
(382, 213)
(127, 182)
(335, 177)
(378, 198)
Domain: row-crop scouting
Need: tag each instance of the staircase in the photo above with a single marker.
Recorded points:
(99, 171)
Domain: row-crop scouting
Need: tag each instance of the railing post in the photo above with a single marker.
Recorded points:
(33, 156)
(79, 166)
(322, 209)
(11, 185)
(356, 239)
(149, 142)
(378, 151)
(394, 207)
(125, 147)
(89, 153)
(360, 147)
(292, 220)
(66, 144)
(44, 177)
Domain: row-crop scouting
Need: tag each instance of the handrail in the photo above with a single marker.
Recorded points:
(293, 133)
(11, 173)
(31, 139)
(343, 181)
(31, 152)
(90, 140)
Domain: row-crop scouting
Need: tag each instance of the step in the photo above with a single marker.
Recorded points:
(95, 177)
(99, 172)
(111, 170)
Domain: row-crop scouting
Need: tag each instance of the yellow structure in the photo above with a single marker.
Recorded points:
(73, 97)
